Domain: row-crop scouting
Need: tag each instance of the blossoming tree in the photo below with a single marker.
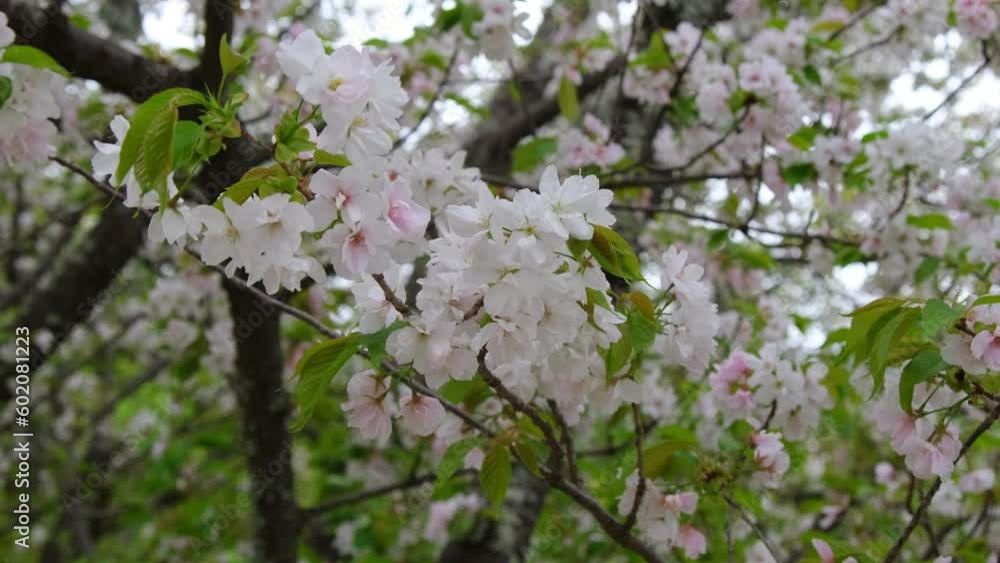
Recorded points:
(565, 281)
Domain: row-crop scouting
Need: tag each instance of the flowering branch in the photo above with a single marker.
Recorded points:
(555, 452)
(925, 503)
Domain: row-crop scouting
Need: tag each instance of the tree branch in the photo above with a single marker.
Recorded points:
(91, 57)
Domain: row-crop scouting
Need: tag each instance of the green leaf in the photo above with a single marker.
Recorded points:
(798, 173)
(857, 343)
(937, 316)
(327, 159)
(615, 254)
(655, 457)
(316, 369)
(812, 75)
(6, 90)
(684, 110)
(470, 15)
(655, 57)
(927, 268)
(242, 190)
(803, 138)
(375, 342)
(930, 221)
(494, 477)
(228, 58)
(157, 158)
(30, 56)
(527, 455)
(434, 59)
(454, 458)
(617, 355)
(642, 330)
(881, 304)
(278, 184)
(144, 115)
(922, 367)
(569, 105)
(186, 137)
(874, 136)
(291, 138)
(887, 332)
(530, 155)
(828, 25)
(986, 300)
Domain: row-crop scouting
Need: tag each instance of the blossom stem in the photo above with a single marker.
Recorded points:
(390, 296)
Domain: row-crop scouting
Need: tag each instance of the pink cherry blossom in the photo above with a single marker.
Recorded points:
(986, 346)
(421, 414)
(369, 407)
(692, 541)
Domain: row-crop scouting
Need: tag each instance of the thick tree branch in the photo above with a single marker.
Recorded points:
(218, 17)
(91, 57)
(490, 149)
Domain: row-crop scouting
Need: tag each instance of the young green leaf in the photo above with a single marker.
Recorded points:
(615, 254)
(922, 367)
(569, 105)
(30, 56)
(494, 477)
(530, 155)
(937, 316)
(228, 58)
(656, 456)
(986, 300)
(324, 158)
(887, 332)
(144, 115)
(930, 221)
(186, 137)
(316, 370)
(453, 459)
(158, 153)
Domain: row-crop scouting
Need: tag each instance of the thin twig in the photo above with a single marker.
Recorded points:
(755, 527)
(356, 498)
(640, 488)
(968, 79)
(438, 92)
(566, 438)
(555, 451)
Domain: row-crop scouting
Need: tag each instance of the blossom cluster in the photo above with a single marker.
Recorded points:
(768, 386)
(360, 101)
(26, 128)
(371, 410)
(501, 278)
(659, 517)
